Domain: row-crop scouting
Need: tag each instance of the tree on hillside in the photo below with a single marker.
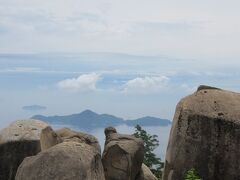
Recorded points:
(150, 143)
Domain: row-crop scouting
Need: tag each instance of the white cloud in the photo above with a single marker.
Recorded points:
(146, 85)
(84, 83)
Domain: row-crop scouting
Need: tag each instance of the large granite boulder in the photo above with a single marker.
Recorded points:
(49, 138)
(19, 140)
(65, 161)
(146, 174)
(123, 156)
(67, 134)
(205, 135)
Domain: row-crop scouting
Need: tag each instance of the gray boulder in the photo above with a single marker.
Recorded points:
(19, 140)
(205, 135)
(65, 161)
(49, 138)
(123, 156)
(146, 174)
(67, 135)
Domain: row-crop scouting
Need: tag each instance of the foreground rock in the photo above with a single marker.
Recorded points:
(205, 135)
(67, 135)
(50, 138)
(66, 154)
(64, 161)
(146, 174)
(123, 156)
(19, 140)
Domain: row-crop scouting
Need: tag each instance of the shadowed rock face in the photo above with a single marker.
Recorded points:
(205, 135)
(19, 140)
(123, 156)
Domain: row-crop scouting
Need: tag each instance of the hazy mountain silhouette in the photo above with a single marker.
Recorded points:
(90, 120)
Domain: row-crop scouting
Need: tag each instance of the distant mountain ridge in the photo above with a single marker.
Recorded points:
(90, 120)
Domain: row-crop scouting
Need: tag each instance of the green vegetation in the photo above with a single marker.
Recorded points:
(192, 175)
(150, 143)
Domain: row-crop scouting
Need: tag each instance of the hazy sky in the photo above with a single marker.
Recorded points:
(180, 28)
(125, 57)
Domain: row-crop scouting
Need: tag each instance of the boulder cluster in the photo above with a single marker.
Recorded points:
(32, 150)
(205, 136)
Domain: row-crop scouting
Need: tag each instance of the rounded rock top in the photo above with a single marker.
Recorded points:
(22, 130)
(110, 130)
(212, 102)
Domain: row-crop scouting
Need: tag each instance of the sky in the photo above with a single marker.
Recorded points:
(186, 28)
(130, 58)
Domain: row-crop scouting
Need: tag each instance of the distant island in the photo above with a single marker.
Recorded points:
(91, 120)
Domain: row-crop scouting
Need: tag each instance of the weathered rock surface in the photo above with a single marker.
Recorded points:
(49, 138)
(67, 135)
(146, 174)
(19, 140)
(64, 161)
(205, 135)
(123, 156)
